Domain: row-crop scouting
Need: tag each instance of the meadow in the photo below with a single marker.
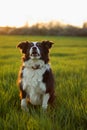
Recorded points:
(69, 63)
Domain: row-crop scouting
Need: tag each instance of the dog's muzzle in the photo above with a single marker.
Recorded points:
(35, 53)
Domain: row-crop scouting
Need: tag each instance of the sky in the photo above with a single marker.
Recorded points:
(18, 12)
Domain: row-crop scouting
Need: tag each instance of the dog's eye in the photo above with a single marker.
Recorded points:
(31, 44)
(39, 44)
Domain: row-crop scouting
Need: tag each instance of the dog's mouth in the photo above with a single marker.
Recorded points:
(35, 55)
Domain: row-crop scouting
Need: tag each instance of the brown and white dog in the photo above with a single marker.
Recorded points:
(35, 78)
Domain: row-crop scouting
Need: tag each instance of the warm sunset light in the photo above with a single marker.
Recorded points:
(17, 12)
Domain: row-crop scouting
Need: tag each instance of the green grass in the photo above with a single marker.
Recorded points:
(69, 63)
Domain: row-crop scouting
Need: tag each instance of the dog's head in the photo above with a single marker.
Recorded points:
(36, 50)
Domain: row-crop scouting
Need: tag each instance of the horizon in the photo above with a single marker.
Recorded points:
(17, 13)
(27, 24)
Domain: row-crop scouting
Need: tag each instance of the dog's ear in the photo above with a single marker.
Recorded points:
(47, 44)
(23, 46)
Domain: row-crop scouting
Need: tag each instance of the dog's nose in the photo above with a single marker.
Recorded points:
(34, 48)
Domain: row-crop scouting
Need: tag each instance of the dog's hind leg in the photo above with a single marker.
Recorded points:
(24, 105)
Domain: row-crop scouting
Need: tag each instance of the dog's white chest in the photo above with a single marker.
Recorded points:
(32, 78)
(33, 85)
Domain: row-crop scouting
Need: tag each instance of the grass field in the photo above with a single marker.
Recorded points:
(69, 63)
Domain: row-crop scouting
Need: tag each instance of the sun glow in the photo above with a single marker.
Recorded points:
(17, 12)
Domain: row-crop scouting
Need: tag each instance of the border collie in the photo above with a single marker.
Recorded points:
(35, 80)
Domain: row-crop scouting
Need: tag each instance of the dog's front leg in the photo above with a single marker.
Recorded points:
(23, 99)
(45, 100)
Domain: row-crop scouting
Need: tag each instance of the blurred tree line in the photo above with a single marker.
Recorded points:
(53, 28)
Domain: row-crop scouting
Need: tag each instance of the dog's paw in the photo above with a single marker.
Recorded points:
(24, 105)
(25, 108)
(44, 106)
